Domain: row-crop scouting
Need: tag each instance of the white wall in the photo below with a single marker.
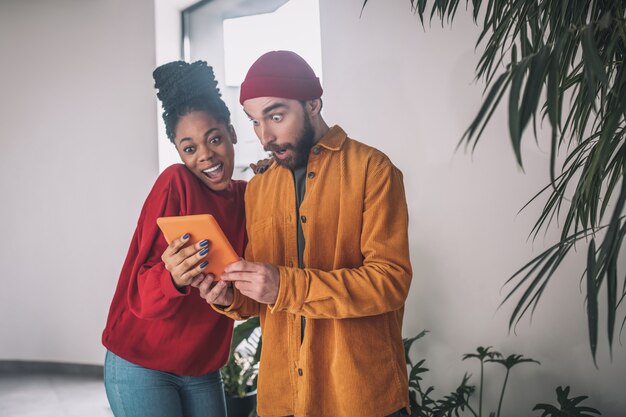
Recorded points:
(78, 154)
(410, 92)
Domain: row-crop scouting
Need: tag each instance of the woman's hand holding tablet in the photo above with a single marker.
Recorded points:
(197, 245)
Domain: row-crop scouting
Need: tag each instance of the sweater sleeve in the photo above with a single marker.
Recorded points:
(151, 291)
(382, 283)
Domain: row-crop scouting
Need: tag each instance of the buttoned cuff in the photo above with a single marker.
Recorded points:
(237, 301)
(288, 291)
(231, 310)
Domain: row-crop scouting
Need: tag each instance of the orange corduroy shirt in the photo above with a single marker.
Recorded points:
(352, 291)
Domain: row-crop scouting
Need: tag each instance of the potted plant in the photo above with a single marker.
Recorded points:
(240, 372)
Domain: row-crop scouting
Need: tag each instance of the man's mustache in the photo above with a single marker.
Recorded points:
(272, 147)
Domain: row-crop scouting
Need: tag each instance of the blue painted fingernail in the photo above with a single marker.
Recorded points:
(204, 242)
(203, 264)
(204, 251)
(186, 236)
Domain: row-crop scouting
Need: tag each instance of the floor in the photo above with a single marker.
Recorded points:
(50, 395)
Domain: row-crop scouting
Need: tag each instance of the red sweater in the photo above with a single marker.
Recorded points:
(153, 324)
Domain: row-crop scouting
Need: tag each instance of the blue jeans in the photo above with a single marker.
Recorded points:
(135, 391)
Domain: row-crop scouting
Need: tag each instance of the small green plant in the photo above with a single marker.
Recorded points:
(458, 402)
(482, 355)
(508, 363)
(240, 372)
(422, 402)
(568, 407)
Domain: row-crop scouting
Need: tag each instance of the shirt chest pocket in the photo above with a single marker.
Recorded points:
(265, 241)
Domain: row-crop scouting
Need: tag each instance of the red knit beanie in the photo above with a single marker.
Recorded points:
(281, 74)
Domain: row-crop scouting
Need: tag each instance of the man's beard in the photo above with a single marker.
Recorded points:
(301, 149)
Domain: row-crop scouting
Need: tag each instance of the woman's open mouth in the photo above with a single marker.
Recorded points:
(215, 172)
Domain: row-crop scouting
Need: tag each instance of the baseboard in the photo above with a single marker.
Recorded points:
(56, 368)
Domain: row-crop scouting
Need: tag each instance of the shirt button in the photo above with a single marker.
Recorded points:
(303, 219)
(311, 175)
(316, 150)
(290, 263)
(300, 371)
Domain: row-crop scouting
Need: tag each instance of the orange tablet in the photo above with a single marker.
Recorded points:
(200, 227)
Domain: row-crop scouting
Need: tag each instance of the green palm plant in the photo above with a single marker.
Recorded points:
(562, 60)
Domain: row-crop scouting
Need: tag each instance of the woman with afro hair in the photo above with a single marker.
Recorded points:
(165, 344)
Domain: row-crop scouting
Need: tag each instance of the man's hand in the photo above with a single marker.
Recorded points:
(259, 281)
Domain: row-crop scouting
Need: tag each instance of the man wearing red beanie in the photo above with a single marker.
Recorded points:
(327, 265)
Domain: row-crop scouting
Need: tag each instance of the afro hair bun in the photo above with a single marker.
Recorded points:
(179, 82)
(183, 87)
